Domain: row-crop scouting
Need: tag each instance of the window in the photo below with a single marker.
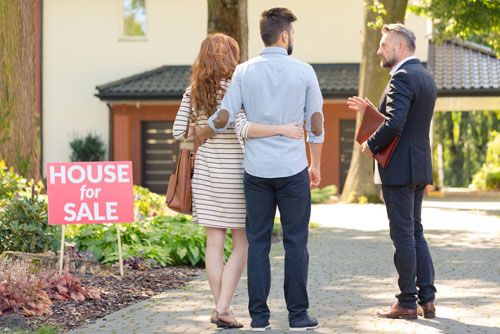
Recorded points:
(134, 18)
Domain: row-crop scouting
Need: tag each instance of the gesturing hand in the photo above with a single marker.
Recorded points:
(292, 131)
(358, 104)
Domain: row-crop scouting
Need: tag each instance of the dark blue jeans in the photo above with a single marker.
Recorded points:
(411, 256)
(293, 198)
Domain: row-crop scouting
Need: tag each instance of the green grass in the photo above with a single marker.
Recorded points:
(39, 330)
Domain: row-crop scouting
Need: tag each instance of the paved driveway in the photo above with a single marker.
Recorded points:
(352, 276)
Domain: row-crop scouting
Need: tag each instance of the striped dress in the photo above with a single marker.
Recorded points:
(217, 184)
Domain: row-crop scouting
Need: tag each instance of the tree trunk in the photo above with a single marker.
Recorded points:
(19, 117)
(230, 17)
(372, 81)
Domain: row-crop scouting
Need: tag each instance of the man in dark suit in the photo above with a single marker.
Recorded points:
(408, 103)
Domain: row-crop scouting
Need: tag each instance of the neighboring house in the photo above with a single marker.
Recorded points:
(89, 43)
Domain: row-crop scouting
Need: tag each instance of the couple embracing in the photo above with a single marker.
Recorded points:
(263, 103)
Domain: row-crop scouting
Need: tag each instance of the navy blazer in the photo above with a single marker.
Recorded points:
(408, 103)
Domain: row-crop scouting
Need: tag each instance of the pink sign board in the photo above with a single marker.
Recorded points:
(90, 192)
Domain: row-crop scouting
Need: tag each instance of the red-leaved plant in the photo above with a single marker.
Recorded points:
(23, 292)
(66, 286)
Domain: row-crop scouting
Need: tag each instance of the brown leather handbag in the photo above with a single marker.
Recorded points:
(179, 195)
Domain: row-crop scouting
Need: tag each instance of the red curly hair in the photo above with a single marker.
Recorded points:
(218, 57)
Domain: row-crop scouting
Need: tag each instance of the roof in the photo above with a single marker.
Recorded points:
(165, 82)
(460, 69)
(169, 82)
(464, 69)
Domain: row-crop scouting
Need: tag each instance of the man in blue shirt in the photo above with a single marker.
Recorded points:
(275, 88)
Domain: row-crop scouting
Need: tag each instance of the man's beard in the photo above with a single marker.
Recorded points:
(389, 63)
(289, 49)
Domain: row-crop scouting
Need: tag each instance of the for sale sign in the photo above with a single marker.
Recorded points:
(90, 192)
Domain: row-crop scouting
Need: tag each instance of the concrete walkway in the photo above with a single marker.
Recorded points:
(351, 277)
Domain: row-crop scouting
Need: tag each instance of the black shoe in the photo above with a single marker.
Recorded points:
(260, 327)
(303, 324)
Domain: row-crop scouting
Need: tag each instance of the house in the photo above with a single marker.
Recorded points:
(139, 59)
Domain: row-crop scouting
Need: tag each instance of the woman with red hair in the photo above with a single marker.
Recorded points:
(217, 183)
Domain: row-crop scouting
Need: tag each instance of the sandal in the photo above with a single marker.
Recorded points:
(225, 324)
(213, 317)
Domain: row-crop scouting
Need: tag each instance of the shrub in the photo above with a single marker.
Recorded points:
(23, 292)
(147, 203)
(23, 215)
(12, 185)
(354, 197)
(492, 181)
(20, 290)
(66, 287)
(323, 195)
(89, 148)
(488, 177)
(24, 226)
(464, 136)
(167, 240)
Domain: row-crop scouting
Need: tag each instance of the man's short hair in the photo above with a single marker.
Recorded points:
(402, 31)
(273, 22)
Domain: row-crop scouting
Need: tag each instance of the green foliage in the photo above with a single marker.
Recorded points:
(168, 240)
(89, 148)
(464, 136)
(165, 240)
(314, 225)
(379, 10)
(134, 23)
(12, 184)
(147, 203)
(39, 330)
(477, 21)
(47, 330)
(24, 226)
(23, 215)
(488, 177)
(323, 195)
(132, 27)
(354, 197)
(277, 229)
(363, 200)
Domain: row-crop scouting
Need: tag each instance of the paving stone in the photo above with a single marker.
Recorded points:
(351, 276)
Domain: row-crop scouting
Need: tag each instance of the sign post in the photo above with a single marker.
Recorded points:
(90, 193)
(61, 253)
(119, 237)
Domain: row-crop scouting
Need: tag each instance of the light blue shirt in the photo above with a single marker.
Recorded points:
(275, 89)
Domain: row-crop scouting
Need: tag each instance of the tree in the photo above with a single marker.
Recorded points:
(372, 80)
(477, 21)
(19, 117)
(230, 17)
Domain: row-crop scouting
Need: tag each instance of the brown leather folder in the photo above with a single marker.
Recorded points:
(372, 119)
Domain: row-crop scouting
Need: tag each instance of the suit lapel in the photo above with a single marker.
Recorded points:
(383, 99)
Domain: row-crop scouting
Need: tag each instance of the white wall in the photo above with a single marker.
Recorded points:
(82, 48)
